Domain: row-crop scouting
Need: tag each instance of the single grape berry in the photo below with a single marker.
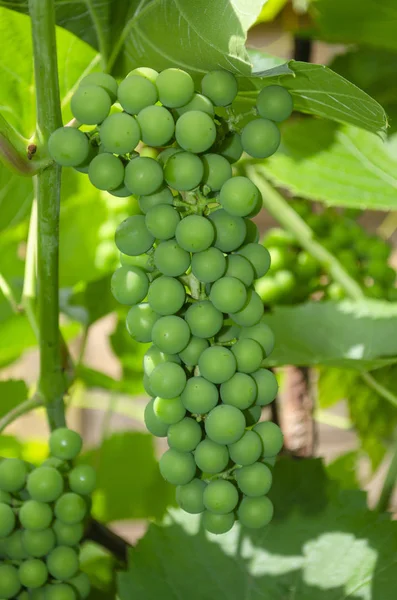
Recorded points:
(199, 396)
(103, 80)
(255, 513)
(38, 543)
(231, 147)
(209, 265)
(135, 93)
(13, 473)
(267, 386)
(239, 267)
(65, 443)
(129, 285)
(9, 581)
(45, 484)
(7, 520)
(271, 436)
(190, 496)
(239, 196)
(171, 334)
(230, 230)
(167, 380)
(169, 410)
(204, 319)
(247, 449)
(106, 171)
(170, 259)
(239, 391)
(254, 480)
(120, 133)
(183, 171)
(220, 87)
(252, 311)
(198, 102)
(68, 146)
(275, 102)
(175, 87)
(218, 524)
(217, 171)
(225, 424)
(133, 237)
(162, 221)
(60, 591)
(262, 334)
(193, 350)
(70, 508)
(228, 294)
(211, 457)
(139, 322)
(195, 233)
(157, 125)
(220, 497)
(260, 138)
(82, 480)
(35, 515)
(195, 131)
(90, 104)
(33, 573)
(184, 435)
(258, 256)
(248, 354)
(143, 176)
(166, 295)
(176, 467)
(66, 534)
(217, 364)
(63, 562)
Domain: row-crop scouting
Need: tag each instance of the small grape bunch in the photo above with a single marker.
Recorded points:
(42, 513)
(295, 276)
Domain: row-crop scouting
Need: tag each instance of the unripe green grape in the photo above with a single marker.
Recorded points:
(239, 196)
(143, 176)
(198, 102)
(193, 350)
(184, 435)
(146, 72)
(82, 480)
(271, 436)
(90, 104)
(65, 443)
(60, 591)
(247, 449)
(135, 93)
(268, 289)
(129, 285)
(33, 573)
(139, 321)
(190, 496)
(217, 171)
(194, 233)
(170, 259)
(209, 265)
(239, 267)
(267, 386)
(239, 391)
(153, 424)
(81, 583)
(167, 380)
(167, 153)
(103, 80)
(106, 171)
(70, 508)
(225, 424)
(248, 354)
(35, 515)
(157, 125)
(228, 294)
(66, 534)
(161, 197)
(335, 291)
(45, 484)
(262, 334)
(199, 396)
(9, 581)
(38, 543)
(220, 497)
(254, 480)
(120, 133)
(252, 311)
(204, 319)
(260, 138)
(286, 283)
(252, 415)
(258, 256)
(255, 513)
(220, 87)
(195, 131)
(154, 357)
(280, 258)
(217, 364)
(211, 457)
(132, 236)
(13, 473)
(162, 221)
(176, 467)
(274, 102)
(231, 147)
(68, 146)
(229, 230)
(13, 547)
(63, 562)
(169, 410)
(183, 171)
(175, 87)
(218, 524)
(166, 295)
(171, 334)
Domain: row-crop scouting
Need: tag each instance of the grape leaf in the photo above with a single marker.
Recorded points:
(12, 393)
(316, 90)
(343, 469)
(323, 543)
(366, 22)
(340, 166)
(129, 484)
(358, 335)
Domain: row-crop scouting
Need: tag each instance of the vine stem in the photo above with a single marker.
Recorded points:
(52, 385)
(34, 402)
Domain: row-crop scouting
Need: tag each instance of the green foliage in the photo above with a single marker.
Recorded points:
(309, 164)
(12, 393)
(136, 493)
(300, 553)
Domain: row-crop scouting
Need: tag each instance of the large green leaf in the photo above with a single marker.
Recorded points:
(194, 35)
(358, 335)
(316, 90)
(12, 393)
(129, 482)
(366, 22)
(321, 545)
(341, 166)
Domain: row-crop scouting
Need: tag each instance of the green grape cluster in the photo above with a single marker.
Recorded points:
(188, 266)
(296, 276)
(42, 513)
